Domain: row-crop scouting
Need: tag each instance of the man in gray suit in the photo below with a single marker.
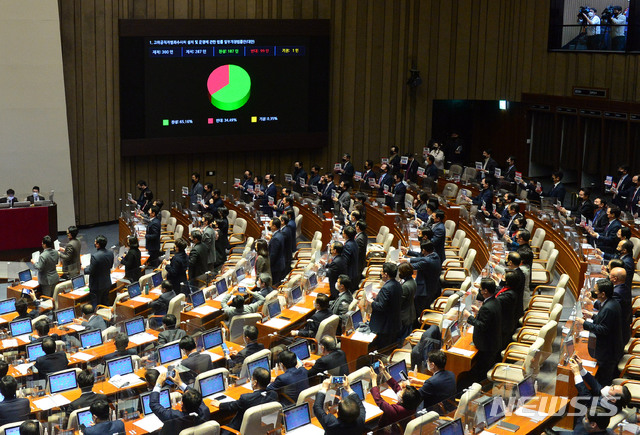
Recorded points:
(340, 305)
(197, 257)
(99, 271)
(46, 266)
(196, 362)
(70, 255)
(209, 239)
(91, 320)
(170, 333)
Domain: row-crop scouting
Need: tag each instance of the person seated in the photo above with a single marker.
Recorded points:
(170, 333)
(90, 319)
(122, 342)
(293, 380)
(22, 307)
(333, 360)
(194, 411)
(87, 396)
(195, 361)
(615, 396)
(161, 305)
(30, 427)
(10, 198)
(100, 411)
(263, 284)
(238, 305)
(251, 346)
(259, 382)
(596, 421)
(12, 409)
(351, 412)
(42, 328)
(442, 383)
(408, 398)
(322, 312)
(51, 361)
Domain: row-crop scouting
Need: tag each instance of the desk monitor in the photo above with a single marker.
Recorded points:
(165, 401)
(301, 349)
(297, 416)
(313, 281)
(526, 388)
(262, 362)
(452, 428)
(296, 294)
(90, 338)
(14, 430)
(78, 282)
(395, 369)
(357, 388)
(7, 306)
(25, 275)
(85, 418)
(65, 316)
(156, 279)
(134, 290)
(221, 286)
(20, 204)
(169, 352)
(34, 351)
(62, 381)
(212, 338)
(356, 318)
(197, 298)
(20, 327)
(120, 366)
(493, 410)
(134, 326)
(212, 385)
(274, 309)
(5, 205)
(240, 274)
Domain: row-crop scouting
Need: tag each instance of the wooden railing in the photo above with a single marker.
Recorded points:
(311, 223)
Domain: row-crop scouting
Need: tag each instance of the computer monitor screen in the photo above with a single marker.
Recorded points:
(134, 326)
(493, 410)
(395, 369)
(134, 290)
(212, 385)
(156, 279)
(197, 298)
(169, 352)
(301, 349)
(452, 428)
(21, 327)
(165, 401)
(211, 339)
(356, 318)
(120, 366)
(65, 316)
(526, 388)
(85, 418)
(240, 273)
(221, 286)
(78, 282)
(274, 309)
(313, 281)
(262, 362)
(297, 416)
(15, 430)
(63, 381)
(90, 338)
(24, 275)
(34, 351)
(7, 306)
(357, 388)
(296, 294)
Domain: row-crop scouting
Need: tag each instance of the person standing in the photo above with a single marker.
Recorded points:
(385, 308)
(152, 237)
(46, 266)
(70, 255)
(99, 271)
(197, 257)
(196, 188)
(593, 29)
(131, 261)
(176, 268)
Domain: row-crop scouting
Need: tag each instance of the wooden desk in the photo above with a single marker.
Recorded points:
(205, 321)
(98, 352)
(295, 320)
(131, 308)
(353, 349)
(458, 363)
(553, 406)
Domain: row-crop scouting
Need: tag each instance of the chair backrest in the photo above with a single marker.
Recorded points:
(270, 298)
(416, 425)
(524, 193)
(241, 263)
(466, 284)
(164, 216)
(458, 238)
(248, 247)
(63, 286)
(449, 228)
(548, 333)
(469, 174)
(462, 194)
(210, 427)
(362, 373)
(237, 324)
(72, 424)
(119, 297)
(636, 247)
(469, 396)
(177, 234)
(382, 233)
(109, 332)
(538, 237)
(408, 200)
(558, 296)
(551, 261)
(529, 226)
(175, 306)
(296, 211)
(309, 395)
(554, 314)
(532, 360)
(317, 236)
(254, 418)
(196, 384)
(240, 226)
(469, 259)
(328, 326)
(455, 170)
(231, 217)
(147, 280)
(388, 240)
(40, 317)
(171, 224)
(451, 302)
(563, 281)
(464, 248)
(299, 226)
(546, 249)
(450, 190)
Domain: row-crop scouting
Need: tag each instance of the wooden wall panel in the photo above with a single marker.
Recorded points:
(469, 49)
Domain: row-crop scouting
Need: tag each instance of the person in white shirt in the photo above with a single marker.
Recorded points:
(619, 20)
(593, 29)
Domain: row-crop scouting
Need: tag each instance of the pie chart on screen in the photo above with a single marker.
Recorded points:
(229, 87)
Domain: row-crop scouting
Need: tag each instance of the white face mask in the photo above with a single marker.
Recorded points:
(591, 14)
(337, 287)
(606, 393)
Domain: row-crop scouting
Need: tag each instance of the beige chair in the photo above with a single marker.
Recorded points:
(170, 242)
(458, 237)
(434, 316)
(453, 276)
(455, 170)
(107, 312)
(239, 229)
(360, 374)
(231, 218)
(171, 226)
(61, 287)
(255, 417)
(254, 357)
(109, 332)
(77, 370)
(417, 425)
(146, 280)
(469, 174)
(238, 323)
(408, 201)
(72, 424)
(449, 228)
(517, 351)
(207, 428)
(457, 255)
(309, 395)
(634, 389)
(462, 411)
(529, 226)
(382, 233)
(562, 282)
(175, 306)
(636, 247)
(37, 319)
(273, 296)
(546, 302)
(544, 276)
(450, 191)
(298, 225)
(196, 384)
(538, 239)
(547, 247)
(537, 319)
(514, 373)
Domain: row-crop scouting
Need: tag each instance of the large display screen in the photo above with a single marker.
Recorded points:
(209, 84)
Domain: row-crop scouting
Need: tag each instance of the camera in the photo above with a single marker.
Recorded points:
(605, 16)
(583, 10)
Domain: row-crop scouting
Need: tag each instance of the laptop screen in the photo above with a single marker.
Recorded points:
(134, 290)
(85, 418)
(526, 388)
(7, 306)
(212, 385)
(34, 351)
(357, 388)
(452, 428)
(240, 273)
(262, 362)
(221, 286)
(296, 294)
(493, 410)
(301, 349)
(15, 430)
(156, 279)
(313, 281)
(120, 366)
(211, 339)
(24, 275)
(21, 327)
(356, 318)
(197, 298)
(165, 401)
(63, 381)
(90, 338)
(169, 352)
(65, 316)
(274, 309)
(297, 416)
(134, 326)
(78, 282)
(395, 369)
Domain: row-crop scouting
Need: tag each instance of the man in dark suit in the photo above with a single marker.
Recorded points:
(101, 423)
(431, 170)
(362, 241)
(442, 383)
(161, 305)
(70, 256)
(369, 173)
(310, 329)
(509, 304)
(634, 196)
(428, 267)
(314, 178)
(299, 177)
(121, 342)
(177, 267)
(411, 169)
(99, 271)
(259, 382)
(289, 236)
(439, 234)
(35, 195)
(152, 237)
(486, 321)
(333, 360)
(385, 180)
(87, 397)
(351, 412)
(600, 220)
(584, 207)
(625, 253)
(12, 409)
(215, 202)
(510, 174)
(194, 411)
(10, 198)
(197, 257)
(489, 166)
(195, 361)
(351, 254)
(394, 160)
(251, 346)
(91, 320)
(558, 190)
(340, 305)
(607, 327)
(484, 200)
(294, 379)
(170, 333)
(395, 198)
(51, 361)
(271, 191)
(336, 267)
(347, 170)
(247, 182)
(624, 188)
(209, 239)
(277, 252)
(327, 188)
(607, 240)
(385, 308)
(622, 293)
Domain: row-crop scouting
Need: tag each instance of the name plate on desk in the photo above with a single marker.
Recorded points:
(361, 336)
(276, 323)
(204, 310)
(463, 352)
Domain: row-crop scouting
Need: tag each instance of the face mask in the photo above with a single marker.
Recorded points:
(619, 252)
(594, 295)
(344, 160)
(620, 173)
(606, 393)
(591, 14)
(337, 287)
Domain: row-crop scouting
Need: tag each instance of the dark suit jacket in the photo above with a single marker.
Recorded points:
(32, 199)
(399, 194)
(385, 309)
(289, 236)
(608, 239)
(334, 362)
(327, 195)
(387, 180)
(314, 181)
(13, 410)
(362, 240)
(431, 171)
(198, 363)
(331, 424)
(198, 261)
(249, 349)
(558, 192)
(586, 209)
(105, 427)
(510, 173)
(367, 175)
(632, 201)
(625, 190)
(590, 387)
(51, 363)
(338, 266)
(177, 270)
(439, 236)
(292, 225)
(490, 167)
(607, 327)
(486, 325)
(277, 252)
(161, 305)
(407, 304)
(629, 267)
(174, 420)
(485, 197)
(291, 382)
(99, 270)
(270, 191)
(348, 171)
(311, 328)
(4, 200)
(622, 294)
(394, 164)
(438, 387)
(351, 254)
(118, 354)
(131, 263)
(70, 258)
(298, 174)
(428, 274)
(508, 303)
(152, 237)
(87, 398)
(245, 402)
(600, 220)
(169, 335)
